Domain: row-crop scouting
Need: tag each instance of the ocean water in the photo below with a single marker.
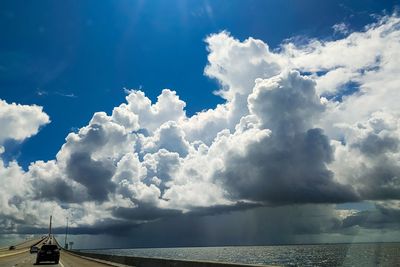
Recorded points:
(371, 254)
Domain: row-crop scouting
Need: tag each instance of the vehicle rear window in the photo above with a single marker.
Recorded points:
(49, 247)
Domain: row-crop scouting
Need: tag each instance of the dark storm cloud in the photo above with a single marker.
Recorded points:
(127, 220)
(382, 217)
(148, 212)
(290, 170)
(263, 225)
(381, 181)
(220, 209)
(144, 212)
(15, 201)
(375, 145)
(8, 224)
(108, 226)
(371, 153)
(11, 224)
(58, 190)
(94, 175)
(289, 166)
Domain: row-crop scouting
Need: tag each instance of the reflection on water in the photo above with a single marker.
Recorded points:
(372, 254)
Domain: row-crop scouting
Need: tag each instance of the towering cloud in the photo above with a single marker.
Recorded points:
(289, 165)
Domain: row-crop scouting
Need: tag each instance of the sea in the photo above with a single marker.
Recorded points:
(361, 254)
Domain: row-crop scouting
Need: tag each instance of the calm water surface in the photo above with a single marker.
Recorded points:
(373, 254)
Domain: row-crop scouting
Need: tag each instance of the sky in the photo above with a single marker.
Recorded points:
(198, 123)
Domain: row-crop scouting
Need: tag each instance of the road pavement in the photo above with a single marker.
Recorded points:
(22, 258)
(66, 260)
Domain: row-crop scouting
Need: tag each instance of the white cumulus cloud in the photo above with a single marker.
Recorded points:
(310, 124)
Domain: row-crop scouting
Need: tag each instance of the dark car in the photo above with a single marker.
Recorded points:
(34, 249)
(48, 253)
(11, 248)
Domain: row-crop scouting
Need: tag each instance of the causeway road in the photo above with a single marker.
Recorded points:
(21, 257)
(66, 260)
(21, 246)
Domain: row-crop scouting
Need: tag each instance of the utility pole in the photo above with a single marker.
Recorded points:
(66, 234)
(50, 226)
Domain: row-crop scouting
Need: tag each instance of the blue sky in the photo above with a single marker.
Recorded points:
(74, 58)
(305, 124)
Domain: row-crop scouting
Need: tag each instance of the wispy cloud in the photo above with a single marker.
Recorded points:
(40, 92)
(341, 28)
(70, 95)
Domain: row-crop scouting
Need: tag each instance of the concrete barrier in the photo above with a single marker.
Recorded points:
(157, 262)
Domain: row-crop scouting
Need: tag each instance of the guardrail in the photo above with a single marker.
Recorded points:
(157, 262)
